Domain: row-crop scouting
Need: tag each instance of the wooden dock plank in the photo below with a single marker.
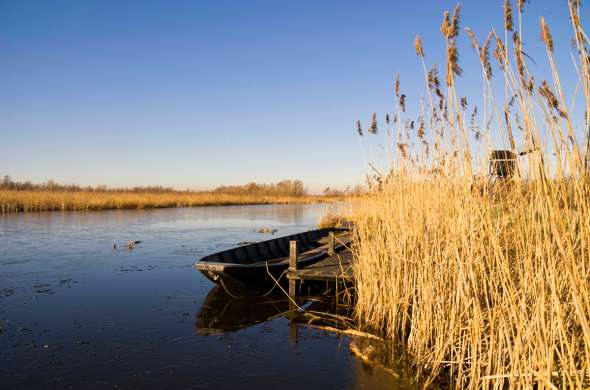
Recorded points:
(337, 267)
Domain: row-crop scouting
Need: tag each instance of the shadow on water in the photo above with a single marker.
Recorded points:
(377, 364)
(221, 312)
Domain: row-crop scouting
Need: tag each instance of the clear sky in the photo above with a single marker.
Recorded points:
(195, 94)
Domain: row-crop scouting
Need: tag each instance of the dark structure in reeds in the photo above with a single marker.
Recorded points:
(502, 164)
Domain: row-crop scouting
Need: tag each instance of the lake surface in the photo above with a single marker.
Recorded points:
(76, 313)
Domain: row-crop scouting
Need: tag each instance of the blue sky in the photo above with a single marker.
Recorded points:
(194, 94)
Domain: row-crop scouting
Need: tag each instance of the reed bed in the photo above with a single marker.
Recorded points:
(31, 201)
(485, 282)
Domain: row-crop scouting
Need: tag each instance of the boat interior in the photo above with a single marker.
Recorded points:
(275, 249)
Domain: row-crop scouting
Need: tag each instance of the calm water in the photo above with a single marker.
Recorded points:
(74, 313)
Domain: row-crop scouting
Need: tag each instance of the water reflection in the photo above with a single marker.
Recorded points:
(221, 312)
(281, 214)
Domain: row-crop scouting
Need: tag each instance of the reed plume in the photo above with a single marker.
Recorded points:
(518, 56)
(421, 130)
(500, 53)
(396, 85)
(546, 35)
(359, 128)
(453, 67)
(484, 56)
(574, 9)
(418, 46)
(472, 38)
(403, 149)
(433, 81)
(550, 98)
(508, 23)
(454, 25)
(445, 27)
(373, 126)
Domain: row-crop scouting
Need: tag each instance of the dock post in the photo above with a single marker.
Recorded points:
(292, 267)
(331, 244)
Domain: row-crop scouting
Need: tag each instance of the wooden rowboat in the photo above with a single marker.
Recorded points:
(249, 266)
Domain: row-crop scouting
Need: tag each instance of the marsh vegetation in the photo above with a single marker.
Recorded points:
(485, 281)
(28, 197)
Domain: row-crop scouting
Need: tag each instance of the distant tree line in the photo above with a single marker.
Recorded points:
(282, 188)
(8, 184)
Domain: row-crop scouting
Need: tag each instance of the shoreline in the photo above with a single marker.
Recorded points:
(13, 202)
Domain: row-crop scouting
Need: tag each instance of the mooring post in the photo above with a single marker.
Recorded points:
(293, 333)
(292, 267)
(331, 244)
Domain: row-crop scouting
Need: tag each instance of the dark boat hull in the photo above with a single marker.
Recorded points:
(259, 265)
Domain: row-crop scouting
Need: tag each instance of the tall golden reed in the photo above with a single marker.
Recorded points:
(487, 284)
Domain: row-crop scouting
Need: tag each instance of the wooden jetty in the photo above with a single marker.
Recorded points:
(336, 268)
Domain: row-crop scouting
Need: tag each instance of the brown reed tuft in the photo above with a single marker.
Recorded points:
(433, 81)
(484, 56)
(552, 102)
(473, 123)
(373, 126)
(359, 128)
(421, 130)
(403, 149)
(472, 38)
(575, 8)
(418, 46)
(396, 85)
(402, 102)
(518, 55)
(453, 67)
(508, 24)
(500, 53)
(445, 27)
(521, 5)
(464, 103)
(454, 25)
(546, 35)
(530, 86)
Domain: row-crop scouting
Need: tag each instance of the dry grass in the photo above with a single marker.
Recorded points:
(336, 219)
(487, 285)
(29, 201)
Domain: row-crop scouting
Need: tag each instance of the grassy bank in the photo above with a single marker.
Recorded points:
(30, 201)
(486, 284)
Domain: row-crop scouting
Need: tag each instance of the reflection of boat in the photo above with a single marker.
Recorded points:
(221, 312)
(246, 266)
